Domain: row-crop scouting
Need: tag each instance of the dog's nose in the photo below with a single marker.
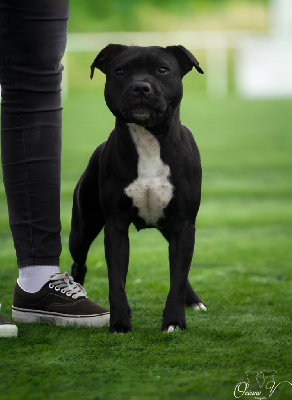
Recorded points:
(141, 87)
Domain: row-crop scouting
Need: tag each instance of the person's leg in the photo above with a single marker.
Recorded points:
(32, 43)
(31, 121)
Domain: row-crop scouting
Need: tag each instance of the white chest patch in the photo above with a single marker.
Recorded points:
(152, 190)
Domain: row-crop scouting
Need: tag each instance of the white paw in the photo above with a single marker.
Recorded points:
(171, 328)
(199, 306)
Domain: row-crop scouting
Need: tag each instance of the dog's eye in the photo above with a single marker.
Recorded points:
(119, 71)
(163, 70)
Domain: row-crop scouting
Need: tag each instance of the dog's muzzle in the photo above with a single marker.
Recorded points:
(144, 103)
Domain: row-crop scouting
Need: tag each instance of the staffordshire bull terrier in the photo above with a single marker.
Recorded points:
(147, 173)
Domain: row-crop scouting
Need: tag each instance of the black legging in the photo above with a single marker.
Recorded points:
(33, 36)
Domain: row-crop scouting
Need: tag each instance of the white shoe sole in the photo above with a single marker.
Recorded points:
(8, 330)
(34, 316)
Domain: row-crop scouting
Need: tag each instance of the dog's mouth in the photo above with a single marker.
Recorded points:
(141, 114)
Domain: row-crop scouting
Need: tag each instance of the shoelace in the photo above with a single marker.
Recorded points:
(65, 283)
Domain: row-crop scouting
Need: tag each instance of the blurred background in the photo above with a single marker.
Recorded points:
(243, 45)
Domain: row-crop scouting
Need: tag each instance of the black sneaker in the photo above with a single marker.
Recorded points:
(60, 301)
(7, 327)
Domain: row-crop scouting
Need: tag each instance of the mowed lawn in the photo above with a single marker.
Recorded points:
(241, 269)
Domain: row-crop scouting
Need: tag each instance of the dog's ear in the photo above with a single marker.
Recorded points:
(102, 59)
(185, 59)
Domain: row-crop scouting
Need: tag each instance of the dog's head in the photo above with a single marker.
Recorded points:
(143, 84)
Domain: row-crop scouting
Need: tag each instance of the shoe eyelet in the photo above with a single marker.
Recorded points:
(63, 291)
(68, 294)
(51, 285)
(57, 288)
(74, 297)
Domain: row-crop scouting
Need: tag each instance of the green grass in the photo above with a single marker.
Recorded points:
(241, 269)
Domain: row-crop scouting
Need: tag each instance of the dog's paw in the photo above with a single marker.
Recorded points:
(199, 307)
(173, 315)
(122, 325)
(171, 328)
(121, 329)
(173, 324)
(120, 314)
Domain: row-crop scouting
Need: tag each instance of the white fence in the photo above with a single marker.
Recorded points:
(214, 43)
(262, 64)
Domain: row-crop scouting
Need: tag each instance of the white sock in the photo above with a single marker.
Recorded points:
(32, 279)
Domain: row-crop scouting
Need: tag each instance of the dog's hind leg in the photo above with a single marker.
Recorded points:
(193, 300)
(85, 226)
(87, 218)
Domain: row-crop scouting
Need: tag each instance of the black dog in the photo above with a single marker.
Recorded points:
(147, 173)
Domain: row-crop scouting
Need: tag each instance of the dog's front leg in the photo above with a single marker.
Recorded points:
(181, 248)
(117, 257)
